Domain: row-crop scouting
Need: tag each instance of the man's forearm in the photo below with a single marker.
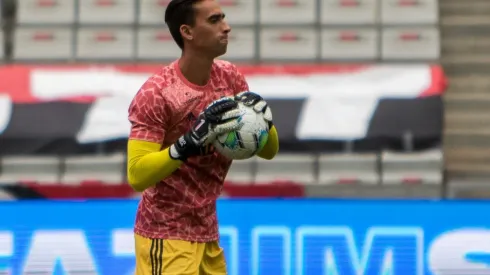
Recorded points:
(147, 164)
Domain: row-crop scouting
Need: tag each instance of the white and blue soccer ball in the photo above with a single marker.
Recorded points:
(248, 140)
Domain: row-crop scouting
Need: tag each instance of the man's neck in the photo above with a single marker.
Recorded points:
(195, 68)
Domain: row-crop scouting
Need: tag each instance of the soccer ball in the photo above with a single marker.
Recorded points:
(248, 140)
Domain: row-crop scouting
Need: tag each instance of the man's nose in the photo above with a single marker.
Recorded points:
(226, 28)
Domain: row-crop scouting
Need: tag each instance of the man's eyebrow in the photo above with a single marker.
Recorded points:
(217, 16)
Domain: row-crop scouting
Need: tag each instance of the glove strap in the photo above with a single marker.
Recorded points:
(174, 154)
(178, 149)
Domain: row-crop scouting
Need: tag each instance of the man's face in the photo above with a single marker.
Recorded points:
(210, 31)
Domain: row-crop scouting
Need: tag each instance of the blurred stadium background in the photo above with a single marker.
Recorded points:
(372, 98)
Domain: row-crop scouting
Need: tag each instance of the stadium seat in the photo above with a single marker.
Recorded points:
(348, 169)
(424, 167)
(349, 12)
(405, 12)
(242, 171)
(43, 43)
(288, 43)
(40, 169)
(103, 12)
(107, 169)
(410, 43)
(287, 12)
(287, 167)
(350, 44)
(241, 44)
(151, 11)
(239, 12)
(46, 12)
(156, 43)
(99, 43)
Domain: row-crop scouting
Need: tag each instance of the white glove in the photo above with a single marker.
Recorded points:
(257, 103)
(219, 117)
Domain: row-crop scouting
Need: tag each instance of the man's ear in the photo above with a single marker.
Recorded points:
(186, 32)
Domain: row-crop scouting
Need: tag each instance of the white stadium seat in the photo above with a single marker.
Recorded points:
(411, 43)
(349, 12)
(152, 11)
(350, 43)
(288, 43)
(287, 167)
(287, 12)
(241, 44)
(242, 171)
(405, 12)
(99, 43)
(156, 43)
(106, 11)
(423, 167)
(43, 43)
(348, 169)
(239, 12)
(108, 169)
(39, 169)
(46, 11)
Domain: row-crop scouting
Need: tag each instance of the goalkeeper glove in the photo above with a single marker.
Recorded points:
(257, 103)
(219, 117)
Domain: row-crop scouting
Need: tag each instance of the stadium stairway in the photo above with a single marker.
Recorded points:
(465, 34)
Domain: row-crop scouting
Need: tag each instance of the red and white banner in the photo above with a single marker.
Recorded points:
(347, 91)
(29, 84)
(89, 103)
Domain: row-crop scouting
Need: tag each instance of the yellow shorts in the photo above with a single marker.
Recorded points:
(173, 257)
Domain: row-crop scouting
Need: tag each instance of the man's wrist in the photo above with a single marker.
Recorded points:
(178, 149)
(174, 153)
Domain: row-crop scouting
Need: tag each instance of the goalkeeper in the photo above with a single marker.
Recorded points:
(174, 117)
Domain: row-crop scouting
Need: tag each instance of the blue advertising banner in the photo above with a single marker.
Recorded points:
(273, 237)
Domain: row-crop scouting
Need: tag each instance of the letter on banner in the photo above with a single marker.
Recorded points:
(276, 257)
(464, 251)
(6, 249)
(123, 244)
(229, 240)
(60, 249)
(334, 251)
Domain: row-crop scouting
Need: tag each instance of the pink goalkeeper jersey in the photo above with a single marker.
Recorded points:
(182, 206)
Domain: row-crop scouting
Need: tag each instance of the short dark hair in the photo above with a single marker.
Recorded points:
(178, 13)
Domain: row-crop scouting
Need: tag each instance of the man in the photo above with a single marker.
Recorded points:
(175, 116)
